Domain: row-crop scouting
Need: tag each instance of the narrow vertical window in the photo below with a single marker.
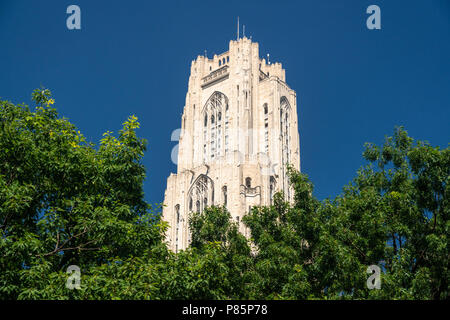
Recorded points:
(285, 145)
(225, 196)
(266, 128)
(271, 189)
(177, 212)
(204, 153)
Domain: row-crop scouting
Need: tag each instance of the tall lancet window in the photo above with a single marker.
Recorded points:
(219, 134)
(213, 133)
(177, 229)
(266, 128)
(285, 109)
(284, 128)
(205, 137)
(227, 133)
(213, 137)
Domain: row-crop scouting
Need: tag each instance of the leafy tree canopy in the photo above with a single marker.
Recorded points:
(65, 201)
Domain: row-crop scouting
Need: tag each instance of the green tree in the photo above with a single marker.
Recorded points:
(411, 182)
(64, 202)
(394, 214)
(283, 256)
(214, 228)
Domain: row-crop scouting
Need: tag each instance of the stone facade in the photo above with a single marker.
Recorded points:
(238, 131)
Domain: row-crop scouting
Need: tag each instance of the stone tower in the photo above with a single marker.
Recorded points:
(238, 133)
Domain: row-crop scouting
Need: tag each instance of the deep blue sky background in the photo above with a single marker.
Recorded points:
(132, 57)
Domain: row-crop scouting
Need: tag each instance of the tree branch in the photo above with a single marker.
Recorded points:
(59, 248)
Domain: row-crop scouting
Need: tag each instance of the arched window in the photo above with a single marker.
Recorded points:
(266, 109)
(201, 191)
(248, 182)
(223, 60)
(190, 203)
(213, 135)
(228, 59)
(220, 63)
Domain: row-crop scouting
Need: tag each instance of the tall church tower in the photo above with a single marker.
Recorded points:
(238, 133)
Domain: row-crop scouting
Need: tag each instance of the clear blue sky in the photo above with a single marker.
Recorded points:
(132, 57)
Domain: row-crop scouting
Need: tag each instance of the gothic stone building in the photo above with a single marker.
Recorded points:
(238, 133)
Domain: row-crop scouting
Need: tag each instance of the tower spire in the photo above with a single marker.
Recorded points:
(238, 29)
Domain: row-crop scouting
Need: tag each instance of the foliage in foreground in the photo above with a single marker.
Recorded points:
(64, 202)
